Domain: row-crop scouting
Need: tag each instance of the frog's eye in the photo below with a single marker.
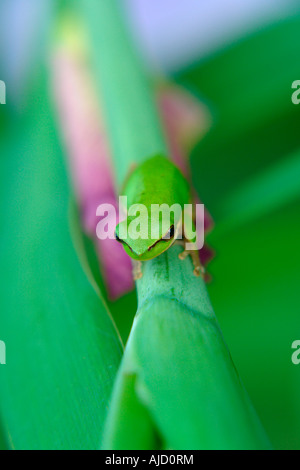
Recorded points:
(170, 233)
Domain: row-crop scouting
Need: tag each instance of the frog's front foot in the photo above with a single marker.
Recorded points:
(199, 270)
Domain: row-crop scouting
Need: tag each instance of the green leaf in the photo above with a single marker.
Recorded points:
(249, 82)
(63, 350)
(255, 293)
(268, 191)
(249, 94)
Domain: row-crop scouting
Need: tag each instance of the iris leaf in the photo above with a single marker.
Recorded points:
(255, 293)
(62, 347)
(247, 88)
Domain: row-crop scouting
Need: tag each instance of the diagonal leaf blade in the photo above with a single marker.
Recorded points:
(62, 347)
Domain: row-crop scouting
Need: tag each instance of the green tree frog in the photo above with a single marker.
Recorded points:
(150, 227)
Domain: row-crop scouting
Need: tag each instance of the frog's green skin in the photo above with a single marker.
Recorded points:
(155, 181)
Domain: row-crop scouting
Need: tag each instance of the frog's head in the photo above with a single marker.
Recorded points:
(143, 240)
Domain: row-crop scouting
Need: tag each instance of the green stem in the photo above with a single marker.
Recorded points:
(183, 373)
(177, 383)
(129, 107)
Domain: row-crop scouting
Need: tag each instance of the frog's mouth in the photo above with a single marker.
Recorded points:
(167, 237)
(147, 253)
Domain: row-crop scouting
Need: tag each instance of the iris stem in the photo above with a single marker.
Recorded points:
(131, 114)
(176, 367)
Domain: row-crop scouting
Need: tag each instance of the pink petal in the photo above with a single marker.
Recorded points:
(89, 155)
(90, 164)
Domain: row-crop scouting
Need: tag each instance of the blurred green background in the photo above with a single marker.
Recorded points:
(246, 171)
